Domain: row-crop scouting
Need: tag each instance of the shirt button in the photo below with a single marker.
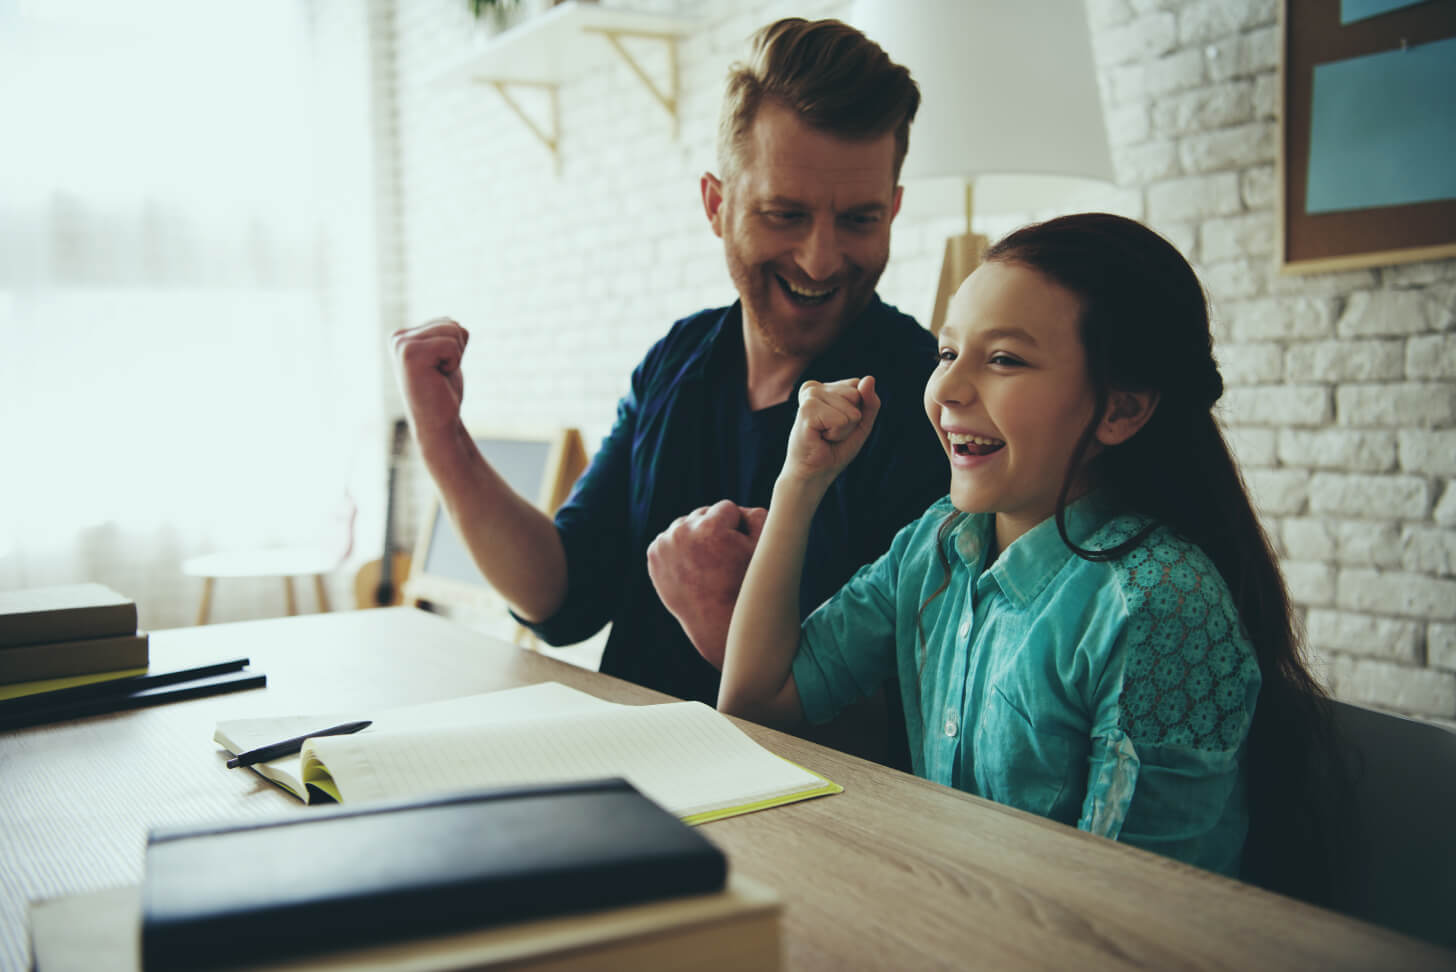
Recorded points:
(950, 727)
(965, 629)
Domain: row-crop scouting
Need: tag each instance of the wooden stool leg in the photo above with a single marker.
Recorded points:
(323, 595)
(288, 596)
(205, 608)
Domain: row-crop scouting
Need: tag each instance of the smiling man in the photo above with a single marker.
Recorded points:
(657, 534)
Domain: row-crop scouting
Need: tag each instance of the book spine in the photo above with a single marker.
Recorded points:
(68, 624)
(31, 663)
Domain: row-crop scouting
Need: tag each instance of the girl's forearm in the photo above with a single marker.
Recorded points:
(764, 632)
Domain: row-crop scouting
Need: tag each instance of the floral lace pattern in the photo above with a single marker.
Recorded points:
(1190, 668)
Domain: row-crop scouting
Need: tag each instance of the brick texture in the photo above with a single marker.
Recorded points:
(1413, 690)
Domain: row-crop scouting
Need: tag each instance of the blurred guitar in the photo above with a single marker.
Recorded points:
(379, 583)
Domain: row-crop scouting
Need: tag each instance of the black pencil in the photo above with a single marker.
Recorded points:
(176, 691)
(128, 685)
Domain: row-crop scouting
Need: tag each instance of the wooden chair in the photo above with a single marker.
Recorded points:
(333, 548)
(1401, 871)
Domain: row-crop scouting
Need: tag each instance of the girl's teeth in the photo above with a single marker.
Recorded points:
(962, 438)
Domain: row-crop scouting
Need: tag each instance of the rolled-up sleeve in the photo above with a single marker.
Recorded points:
(1171, 720)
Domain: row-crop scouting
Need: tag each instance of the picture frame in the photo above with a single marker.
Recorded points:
(542, 466)
(1350, 237)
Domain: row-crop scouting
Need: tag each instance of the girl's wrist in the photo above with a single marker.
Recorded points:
(800, 489)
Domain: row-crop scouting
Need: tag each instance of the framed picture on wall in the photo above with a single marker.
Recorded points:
(1367, 133)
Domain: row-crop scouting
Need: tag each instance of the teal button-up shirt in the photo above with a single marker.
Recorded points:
(1114, 696)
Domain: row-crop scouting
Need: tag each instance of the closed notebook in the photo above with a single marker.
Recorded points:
(346, 877)
(66, 613)
(60, 659)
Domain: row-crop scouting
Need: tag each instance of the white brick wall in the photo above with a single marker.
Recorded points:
(1341, 401)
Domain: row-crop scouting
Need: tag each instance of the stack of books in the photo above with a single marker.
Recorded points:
(56, 636)
(75, 651)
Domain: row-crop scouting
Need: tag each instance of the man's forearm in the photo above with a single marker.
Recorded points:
(514, 544)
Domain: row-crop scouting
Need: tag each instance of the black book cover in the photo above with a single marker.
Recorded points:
(351, 876)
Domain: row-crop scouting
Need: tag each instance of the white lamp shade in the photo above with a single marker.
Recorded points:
(1007, 86)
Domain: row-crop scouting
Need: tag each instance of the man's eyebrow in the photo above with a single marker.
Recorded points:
(784, 202)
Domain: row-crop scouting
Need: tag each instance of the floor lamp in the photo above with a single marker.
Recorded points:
(1007, 88)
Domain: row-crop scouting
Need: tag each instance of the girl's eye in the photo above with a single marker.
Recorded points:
(946, 355)
(1005, 360)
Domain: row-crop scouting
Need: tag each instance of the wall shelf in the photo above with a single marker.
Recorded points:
(546, 50)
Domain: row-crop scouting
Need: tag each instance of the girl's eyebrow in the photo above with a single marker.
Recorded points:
(1009, 333)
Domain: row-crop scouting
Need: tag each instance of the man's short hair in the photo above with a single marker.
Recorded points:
(833, 77)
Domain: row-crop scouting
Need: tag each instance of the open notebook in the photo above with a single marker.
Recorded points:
(684, 755)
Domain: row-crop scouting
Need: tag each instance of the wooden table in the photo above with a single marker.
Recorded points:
(893, 873)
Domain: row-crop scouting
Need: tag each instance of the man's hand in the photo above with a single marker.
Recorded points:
(697, 566)
(427, 368)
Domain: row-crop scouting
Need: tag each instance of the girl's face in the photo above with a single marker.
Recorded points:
(1011, 395)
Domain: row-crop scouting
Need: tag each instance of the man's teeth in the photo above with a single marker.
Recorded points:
(963, 438)
(806, 292)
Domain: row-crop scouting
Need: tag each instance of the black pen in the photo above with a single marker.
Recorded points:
(290, 746)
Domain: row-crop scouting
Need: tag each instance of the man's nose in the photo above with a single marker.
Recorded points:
(819, 254)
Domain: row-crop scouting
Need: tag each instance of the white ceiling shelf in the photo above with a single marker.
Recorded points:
(546, 50)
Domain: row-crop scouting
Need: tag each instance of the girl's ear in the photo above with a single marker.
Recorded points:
(1127, 412)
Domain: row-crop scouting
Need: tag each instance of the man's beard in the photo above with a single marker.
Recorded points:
(796, 338)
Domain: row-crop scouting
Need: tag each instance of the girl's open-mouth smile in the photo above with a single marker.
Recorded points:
(963, 445)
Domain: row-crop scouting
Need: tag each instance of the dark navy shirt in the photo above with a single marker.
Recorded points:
(666, 456)
(749, 446)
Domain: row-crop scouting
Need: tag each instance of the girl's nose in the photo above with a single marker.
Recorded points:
(952, 386)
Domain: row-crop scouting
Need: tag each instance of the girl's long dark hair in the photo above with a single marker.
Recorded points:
(1145, 327)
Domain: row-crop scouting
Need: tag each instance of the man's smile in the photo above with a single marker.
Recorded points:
(805, 296)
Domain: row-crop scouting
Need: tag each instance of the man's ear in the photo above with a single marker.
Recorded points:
(1127, 412)
(712, 189)
(895, 206)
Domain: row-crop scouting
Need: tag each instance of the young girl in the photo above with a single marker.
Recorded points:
(1091, 626)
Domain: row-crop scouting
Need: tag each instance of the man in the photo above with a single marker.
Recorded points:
(813, 133)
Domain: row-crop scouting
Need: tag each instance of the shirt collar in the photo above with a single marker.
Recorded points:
(1024, 569)
(724, 344)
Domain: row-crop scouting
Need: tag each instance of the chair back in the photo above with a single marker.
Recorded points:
(1401, 871)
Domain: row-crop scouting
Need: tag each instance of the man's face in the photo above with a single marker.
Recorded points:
(805, 223)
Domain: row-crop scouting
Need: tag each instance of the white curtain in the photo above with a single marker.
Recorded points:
(174, 380)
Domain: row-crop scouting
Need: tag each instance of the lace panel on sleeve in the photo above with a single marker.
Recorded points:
(1190, 669)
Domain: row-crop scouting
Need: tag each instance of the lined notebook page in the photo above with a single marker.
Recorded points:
(684, 755)
(543, 699)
